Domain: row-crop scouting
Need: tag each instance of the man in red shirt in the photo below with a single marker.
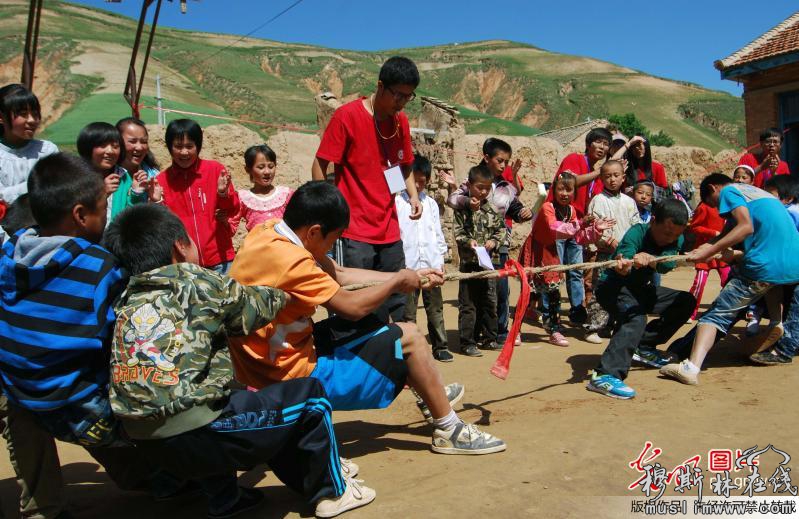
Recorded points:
(369, 141)
(586, 167)
(767, 163)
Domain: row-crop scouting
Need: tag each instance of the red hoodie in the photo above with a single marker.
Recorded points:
(706, 224)
(192, 195)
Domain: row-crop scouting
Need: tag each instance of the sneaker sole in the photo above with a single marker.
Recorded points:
(351, 506)
(601, 391)
(773, 336)
(467, 452)
(768, 363)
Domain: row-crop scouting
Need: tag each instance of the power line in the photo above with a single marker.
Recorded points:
(275, 17)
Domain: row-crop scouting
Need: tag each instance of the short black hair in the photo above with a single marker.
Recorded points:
(598, 134)
(149, 159)
(142, 237)
(184, 128)
(252, 153)
(18, 215)
(98, 134)
(422, 165)
(399, 70)
(714, 179)
(58, 183)
(785, 186)
(770, 132)
(670, 209)
(611, 162)
(644, 183)
(564, 177)
(15, 99)
(492, 146)
(317, 203)
(480, 172)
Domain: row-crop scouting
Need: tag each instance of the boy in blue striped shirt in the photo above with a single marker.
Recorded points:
(56, 290)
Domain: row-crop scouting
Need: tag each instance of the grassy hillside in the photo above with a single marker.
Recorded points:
(502, 87)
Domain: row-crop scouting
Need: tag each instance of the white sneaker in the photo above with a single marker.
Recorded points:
(593, 338)
(466, 439)
(354, 496)
(681, 373)
(349, 469)
(518, 340)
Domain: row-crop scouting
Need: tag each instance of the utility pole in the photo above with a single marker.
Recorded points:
(158, 99)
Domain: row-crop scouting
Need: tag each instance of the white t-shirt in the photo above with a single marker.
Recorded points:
(16, 165)
(422, 240)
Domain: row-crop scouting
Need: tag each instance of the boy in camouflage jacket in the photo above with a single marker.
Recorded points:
(171, 371)
(477, 225)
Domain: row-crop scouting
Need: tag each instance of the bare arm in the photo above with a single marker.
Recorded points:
(730, 237)
(319, 168)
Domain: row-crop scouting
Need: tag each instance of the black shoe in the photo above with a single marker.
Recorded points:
(471, 351)
(770, 357)
(443, 355)
(578, 315)
(492, 346)
(250, 499)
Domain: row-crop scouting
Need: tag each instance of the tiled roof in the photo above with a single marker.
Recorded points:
(782, 39)
(568, 134)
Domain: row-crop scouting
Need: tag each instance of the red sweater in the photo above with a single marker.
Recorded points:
(750, 159)
(706, 224)
(192, 195)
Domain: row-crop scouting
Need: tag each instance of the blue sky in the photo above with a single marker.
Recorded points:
(674, 39)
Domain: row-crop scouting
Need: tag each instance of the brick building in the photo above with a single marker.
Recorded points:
(769, 70)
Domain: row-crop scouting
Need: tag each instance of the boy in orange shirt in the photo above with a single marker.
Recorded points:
(362, 362)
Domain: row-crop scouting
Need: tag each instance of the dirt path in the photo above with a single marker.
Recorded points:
(568, 449)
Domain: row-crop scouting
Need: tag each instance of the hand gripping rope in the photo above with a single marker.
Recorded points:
(513, 268)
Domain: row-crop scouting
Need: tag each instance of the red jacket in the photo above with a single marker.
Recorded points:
(706, 224)
(192, 195)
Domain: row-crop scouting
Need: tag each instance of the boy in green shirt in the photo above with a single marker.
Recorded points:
(629, 293)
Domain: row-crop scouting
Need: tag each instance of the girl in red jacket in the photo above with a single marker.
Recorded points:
(706, 224)
(557, 220)
(201, 193)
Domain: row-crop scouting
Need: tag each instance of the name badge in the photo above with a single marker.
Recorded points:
(394, 179)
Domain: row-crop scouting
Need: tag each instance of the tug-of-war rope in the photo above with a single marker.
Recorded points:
(513, 268)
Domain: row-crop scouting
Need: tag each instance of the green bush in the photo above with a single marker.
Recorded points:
(629, 125)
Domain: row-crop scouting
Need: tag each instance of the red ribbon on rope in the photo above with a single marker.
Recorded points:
(501, 367)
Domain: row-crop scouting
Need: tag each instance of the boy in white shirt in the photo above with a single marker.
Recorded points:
(425, 247)
(610, 204)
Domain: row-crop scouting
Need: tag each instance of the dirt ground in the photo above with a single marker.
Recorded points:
(568, 449)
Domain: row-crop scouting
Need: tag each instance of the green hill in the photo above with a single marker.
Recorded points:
(502, 87)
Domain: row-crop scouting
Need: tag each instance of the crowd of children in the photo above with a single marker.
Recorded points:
(131, 325)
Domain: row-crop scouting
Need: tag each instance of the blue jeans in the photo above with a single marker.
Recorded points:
(503, 291)
(570, 253)
(737, 295)
(788, 345)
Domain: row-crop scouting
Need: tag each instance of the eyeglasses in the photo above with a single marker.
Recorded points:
(772, 141)
(399, 96)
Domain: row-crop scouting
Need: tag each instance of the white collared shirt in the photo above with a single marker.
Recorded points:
(422, 240)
